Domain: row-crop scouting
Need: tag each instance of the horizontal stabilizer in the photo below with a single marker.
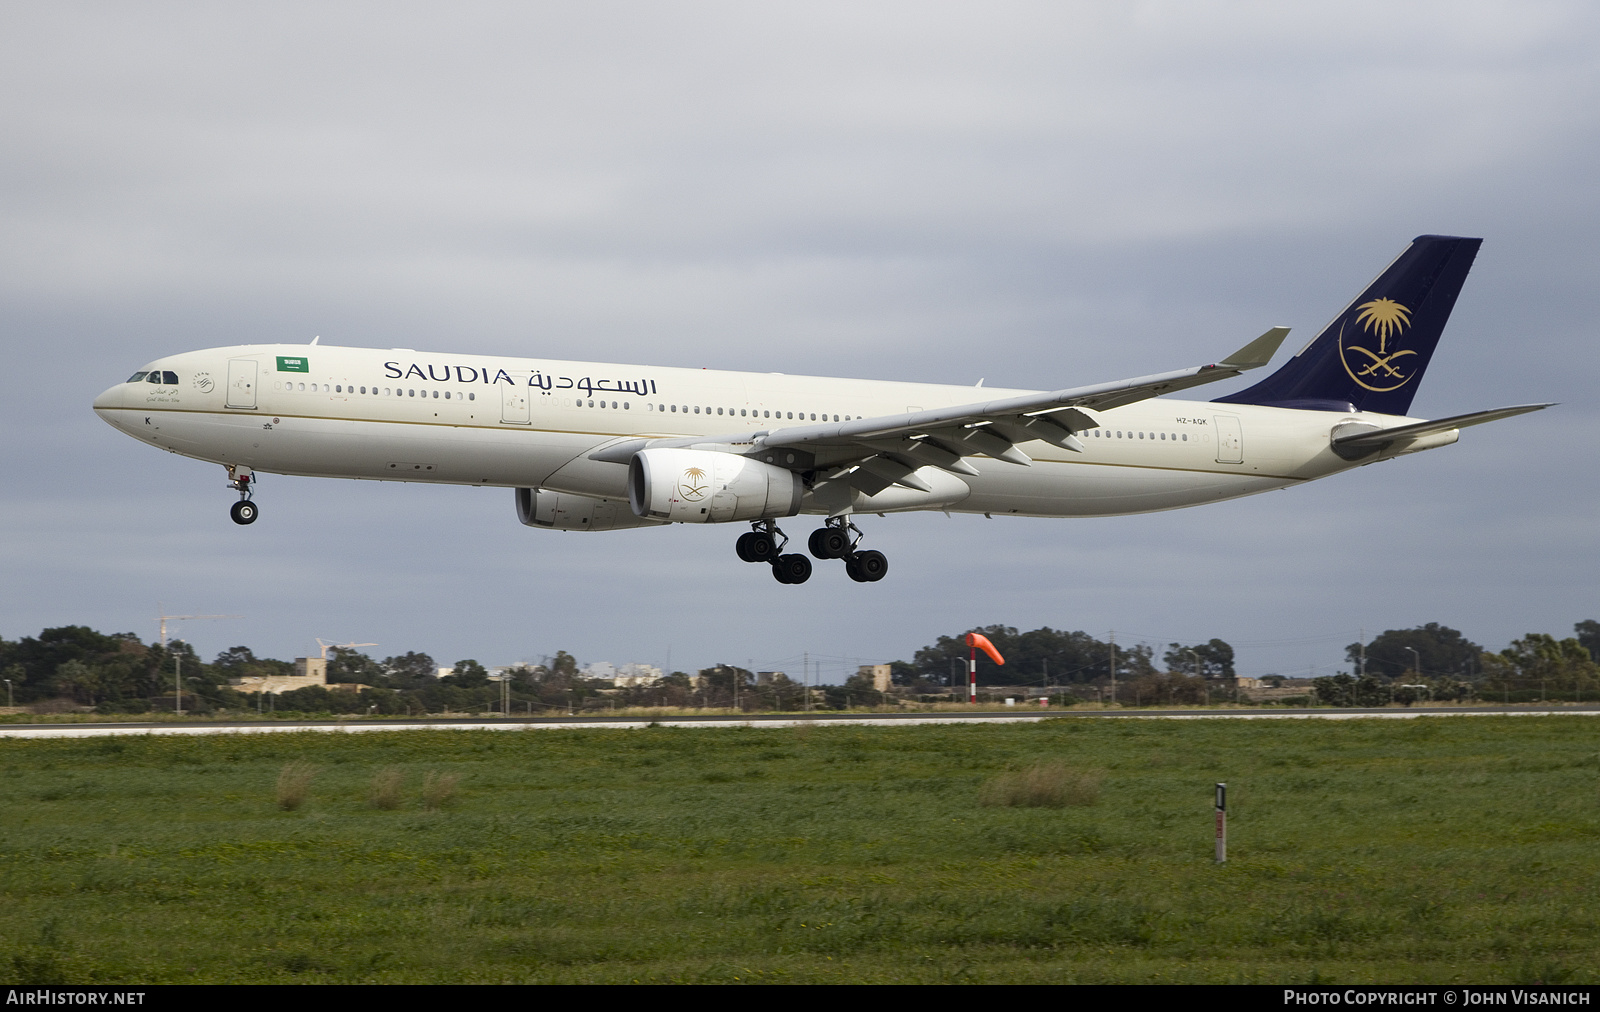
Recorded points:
(1360, 443)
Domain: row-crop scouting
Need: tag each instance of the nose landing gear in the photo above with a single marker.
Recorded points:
(765, 544)
(244, 511)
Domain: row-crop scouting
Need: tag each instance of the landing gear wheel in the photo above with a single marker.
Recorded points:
(759, 546)
(829, 543)
(742, 546)
(791, 569)
(243, 512)
(867, 567)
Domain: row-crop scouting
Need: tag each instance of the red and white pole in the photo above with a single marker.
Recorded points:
(972, 673)
(976, 642)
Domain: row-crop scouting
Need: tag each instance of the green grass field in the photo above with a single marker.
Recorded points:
(1427, 850)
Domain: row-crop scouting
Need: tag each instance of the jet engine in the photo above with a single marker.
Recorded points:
(708, 487)
(563, 511)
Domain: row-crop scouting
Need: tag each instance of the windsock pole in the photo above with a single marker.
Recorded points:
(972, 671)
(975, 642)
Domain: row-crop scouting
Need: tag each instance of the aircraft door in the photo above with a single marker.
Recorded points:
(242, 382)
(514, 404)
(1230, 440)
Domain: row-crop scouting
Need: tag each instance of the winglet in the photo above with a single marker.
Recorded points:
(1258, 352)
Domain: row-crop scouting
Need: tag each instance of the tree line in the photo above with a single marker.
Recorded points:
(75, 667)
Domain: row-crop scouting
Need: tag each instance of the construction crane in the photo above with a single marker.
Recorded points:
(164, 619)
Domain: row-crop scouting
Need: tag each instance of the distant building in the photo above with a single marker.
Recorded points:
(879, 673)
(768, 677)
(308, 671)
(626, 676)
(630, 675)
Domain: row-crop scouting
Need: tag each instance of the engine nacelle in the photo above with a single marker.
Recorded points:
(563, 511)
(707, 487)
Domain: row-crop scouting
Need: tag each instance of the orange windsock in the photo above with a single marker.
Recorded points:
(981, 641)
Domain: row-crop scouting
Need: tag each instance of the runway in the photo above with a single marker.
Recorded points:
(763, 720)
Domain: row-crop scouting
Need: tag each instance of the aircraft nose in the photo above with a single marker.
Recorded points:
(109, 398)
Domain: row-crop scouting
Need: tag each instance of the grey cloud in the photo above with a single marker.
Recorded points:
(1023, 192)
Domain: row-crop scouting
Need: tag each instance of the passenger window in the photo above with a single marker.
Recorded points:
(447, 395)
(472, 397)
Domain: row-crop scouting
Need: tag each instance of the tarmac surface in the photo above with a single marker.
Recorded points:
(83, 730)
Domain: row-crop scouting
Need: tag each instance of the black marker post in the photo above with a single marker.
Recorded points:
(1222, 823)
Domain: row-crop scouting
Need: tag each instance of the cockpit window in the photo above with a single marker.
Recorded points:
(169, 378)
(136, 377)
(154, 377)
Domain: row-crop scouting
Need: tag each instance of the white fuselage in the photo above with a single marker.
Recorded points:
(402, 415)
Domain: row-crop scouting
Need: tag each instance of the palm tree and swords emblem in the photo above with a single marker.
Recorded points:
(693, 486)
(1384, 319)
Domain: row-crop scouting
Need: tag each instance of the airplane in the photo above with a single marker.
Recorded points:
(594, 447)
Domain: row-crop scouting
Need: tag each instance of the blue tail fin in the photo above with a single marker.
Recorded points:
(1373, 354)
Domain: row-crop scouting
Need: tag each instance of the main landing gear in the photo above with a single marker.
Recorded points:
(766, 544)
(244, 511)
(837, 539)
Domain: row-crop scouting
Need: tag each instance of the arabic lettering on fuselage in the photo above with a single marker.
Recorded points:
(476, 374)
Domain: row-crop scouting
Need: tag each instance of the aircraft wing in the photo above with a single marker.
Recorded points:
(871, 454)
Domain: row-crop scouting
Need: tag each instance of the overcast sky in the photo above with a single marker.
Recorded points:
(1042, 195)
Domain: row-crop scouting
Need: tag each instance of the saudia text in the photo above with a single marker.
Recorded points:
(471, 374)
